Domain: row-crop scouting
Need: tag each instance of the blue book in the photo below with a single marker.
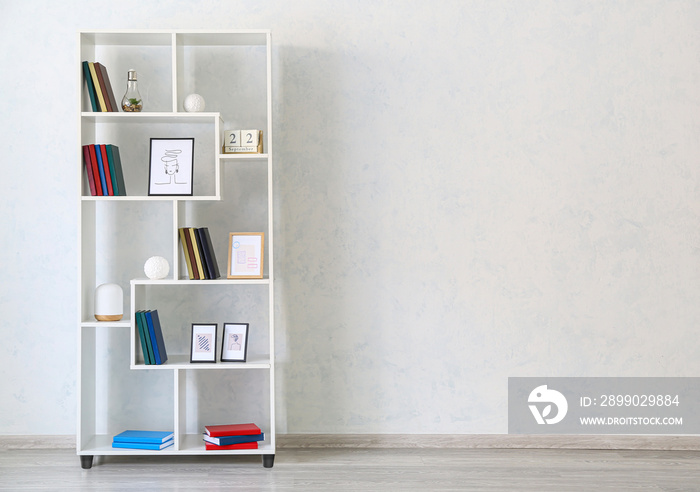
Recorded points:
(226, 440)
(158, 332)
(154, 343)
(143, 445)
(140, 436)
(100, 166)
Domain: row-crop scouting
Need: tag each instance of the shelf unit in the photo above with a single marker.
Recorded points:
(231, 69)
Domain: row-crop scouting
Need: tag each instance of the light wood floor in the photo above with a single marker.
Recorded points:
(360, 470)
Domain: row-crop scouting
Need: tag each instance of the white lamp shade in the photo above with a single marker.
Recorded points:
(109, 302)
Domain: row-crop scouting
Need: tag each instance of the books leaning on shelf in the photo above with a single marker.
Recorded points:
(104, 170)
(151, 337)
(199, 253)
(232, 436)
(137, 439)
(99, 87)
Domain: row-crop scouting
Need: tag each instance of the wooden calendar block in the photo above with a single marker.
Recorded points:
(250, 138)
(232, 138)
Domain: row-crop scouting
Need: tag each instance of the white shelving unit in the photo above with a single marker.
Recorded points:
(232, 193)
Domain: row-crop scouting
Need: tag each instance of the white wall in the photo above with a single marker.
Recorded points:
(466, 191)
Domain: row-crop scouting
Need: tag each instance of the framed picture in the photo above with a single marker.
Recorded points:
(245, 254)
(234, 344)
(171, 169)
(203, 347)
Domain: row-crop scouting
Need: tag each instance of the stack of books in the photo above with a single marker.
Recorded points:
(199, 253)
(99, 88)
(104, 170)
(232, 436)
(151, 336)
(137, 439)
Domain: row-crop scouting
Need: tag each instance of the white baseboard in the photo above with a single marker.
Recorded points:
(447, 441)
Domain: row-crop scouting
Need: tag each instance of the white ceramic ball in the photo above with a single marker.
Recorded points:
(109, 302)
(194, 103)
(156, 267)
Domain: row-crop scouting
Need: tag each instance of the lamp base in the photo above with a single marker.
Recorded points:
(108, 317)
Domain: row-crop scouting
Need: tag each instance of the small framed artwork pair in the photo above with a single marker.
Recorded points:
(234, 342)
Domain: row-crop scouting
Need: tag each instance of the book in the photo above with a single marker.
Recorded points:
(226, 440)
(113, 151)
(157, 336)
(103, 88)
(143, 445)
(197, 257)
(98, 90)
(95, 170)
(106, 87)
(154, 343)
(151, 437)
(209, 255)
(185, 250)
(141, 318)
(200, 249)
(244, 445)
(108, 173)
(231, 430)
(142, 337)
(190, 250)
(100, 167)
(90, 86)
(88, 169)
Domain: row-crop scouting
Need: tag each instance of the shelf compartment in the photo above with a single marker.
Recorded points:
(182, 303)
(132, 135)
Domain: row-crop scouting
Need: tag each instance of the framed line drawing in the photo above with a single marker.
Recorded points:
(234, 344)
(245, 254)
(203, 347)
(171, 168)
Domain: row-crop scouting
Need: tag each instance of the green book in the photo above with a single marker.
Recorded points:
(148, 356)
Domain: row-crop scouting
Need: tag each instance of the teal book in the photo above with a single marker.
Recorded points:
(151, 437)
(141, 316)
(142, 337)
(90, 85)
(117, 172)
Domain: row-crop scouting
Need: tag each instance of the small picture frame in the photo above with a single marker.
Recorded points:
(171, 169)
(245, 254)
(234, 344)
(203, 347)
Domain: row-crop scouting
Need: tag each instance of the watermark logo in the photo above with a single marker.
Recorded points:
(544, 398)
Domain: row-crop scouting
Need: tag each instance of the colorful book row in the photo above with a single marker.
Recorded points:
(232, 436)
(99, 88)
(151, 336)
(104, 170)
(199, 253)
(137, 439)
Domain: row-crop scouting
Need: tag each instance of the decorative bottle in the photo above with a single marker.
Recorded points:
(131, 102)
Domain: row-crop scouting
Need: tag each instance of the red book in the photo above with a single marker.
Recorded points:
(88, 168)
(105, 164)
(244, 445)
(95, 171)
(232, 430)
(106, 88)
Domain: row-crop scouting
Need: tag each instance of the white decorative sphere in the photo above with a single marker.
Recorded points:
(194, 103)
(156, 267)
(109, 302)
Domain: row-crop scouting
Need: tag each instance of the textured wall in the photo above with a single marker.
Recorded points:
(465, 191)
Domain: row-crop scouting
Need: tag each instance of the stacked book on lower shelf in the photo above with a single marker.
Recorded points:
(232, 436)
(138, 439)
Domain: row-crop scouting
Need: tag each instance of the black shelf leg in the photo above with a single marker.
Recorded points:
(268, 460)
(86, 462)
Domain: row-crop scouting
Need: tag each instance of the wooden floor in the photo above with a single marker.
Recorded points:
(360, 470)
